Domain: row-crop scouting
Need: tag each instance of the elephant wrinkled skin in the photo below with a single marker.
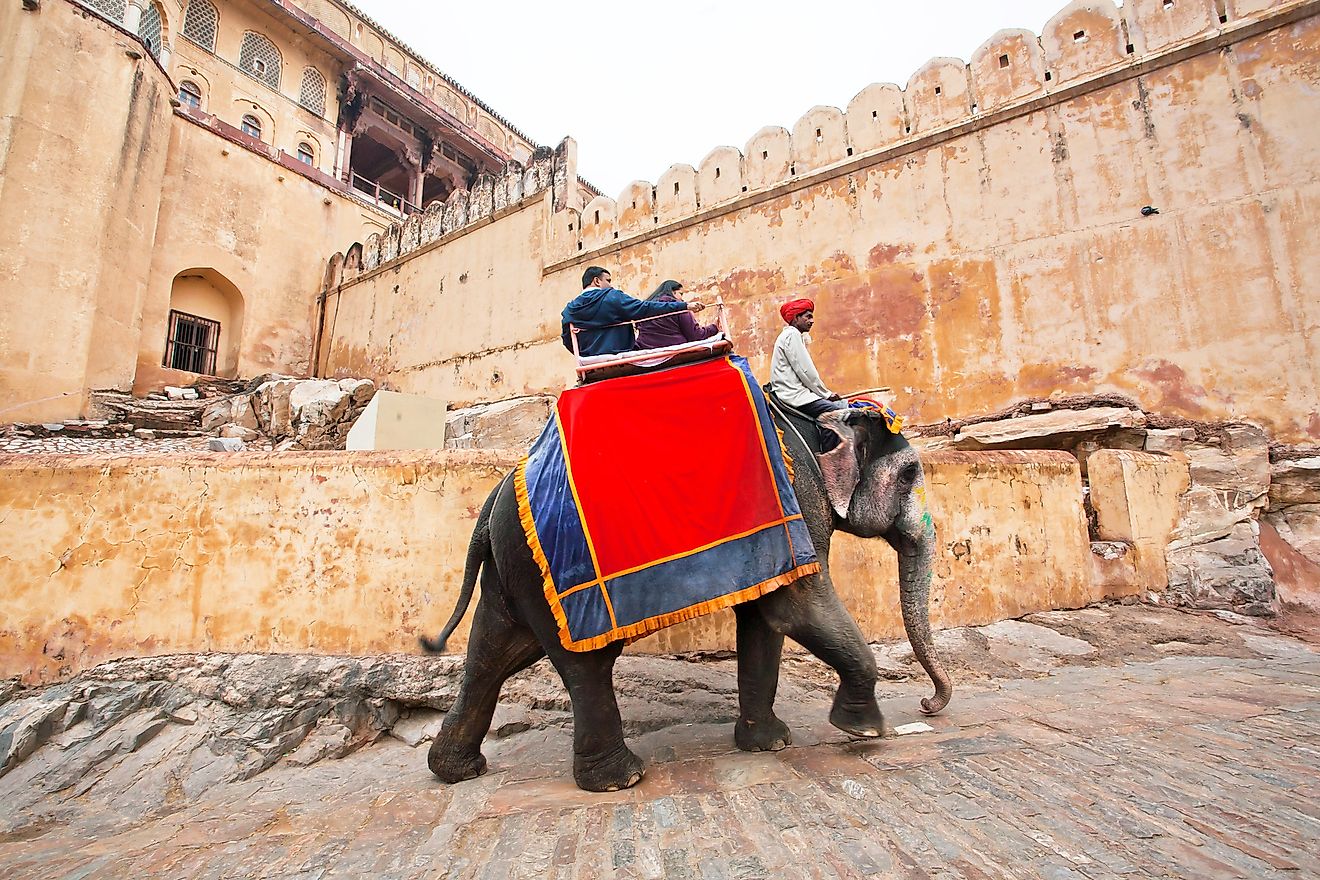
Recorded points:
(870, 485)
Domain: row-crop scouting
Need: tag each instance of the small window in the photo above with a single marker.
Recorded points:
(200, 24)
(312, 93)
(305, 153)
(191, 344)
(259, 59)
(111, 9)
(190, 94)
(251, 125)
(149, 29)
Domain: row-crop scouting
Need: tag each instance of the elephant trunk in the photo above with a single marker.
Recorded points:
(915, 555)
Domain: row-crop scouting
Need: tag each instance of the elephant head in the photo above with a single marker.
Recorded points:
(876, 487)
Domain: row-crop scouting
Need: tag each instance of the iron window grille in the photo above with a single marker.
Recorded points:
(201, 23)
(149, 28)
(312, 93)
(259, 59)
(190, 94)
(111, 9)
(191, 344)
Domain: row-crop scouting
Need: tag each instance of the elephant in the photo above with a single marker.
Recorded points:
(871, 484)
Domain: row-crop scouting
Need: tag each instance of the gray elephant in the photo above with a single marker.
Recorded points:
(871, 485)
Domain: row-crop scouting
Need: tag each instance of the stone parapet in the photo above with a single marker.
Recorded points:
(361, 552)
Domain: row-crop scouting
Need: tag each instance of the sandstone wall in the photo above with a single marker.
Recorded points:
(971, 239)
(106, 203)
(359, 553)
(70, 303)
(250, 219)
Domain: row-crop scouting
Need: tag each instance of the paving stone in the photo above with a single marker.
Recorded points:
(1178, 766)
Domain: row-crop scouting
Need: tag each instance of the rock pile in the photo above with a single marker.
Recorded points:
(505, 424)
(1236, 483)
(270, 411)
(292, 413)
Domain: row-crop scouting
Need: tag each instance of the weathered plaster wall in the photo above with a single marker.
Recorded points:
(104, 207)
(251, 220)
(70, 303)
(971, 239)
(359, 553)
(228, 93)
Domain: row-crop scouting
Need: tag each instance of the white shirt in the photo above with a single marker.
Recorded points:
(793, 376)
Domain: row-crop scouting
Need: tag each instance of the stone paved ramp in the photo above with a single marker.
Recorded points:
(1185, 766)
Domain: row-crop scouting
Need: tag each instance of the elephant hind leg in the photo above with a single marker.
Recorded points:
(759, 651)
(602, 761)
(497, 648)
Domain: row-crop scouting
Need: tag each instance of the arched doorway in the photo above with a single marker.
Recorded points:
(205, 324)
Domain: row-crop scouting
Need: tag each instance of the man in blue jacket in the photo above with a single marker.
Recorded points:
(594, 312)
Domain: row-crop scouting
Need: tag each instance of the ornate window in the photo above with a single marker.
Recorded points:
(305, 153)
(190, 94)
(149, 28)
(201, 23)
(312, 93)
(111, 9)
(251, 125)
(259, 59)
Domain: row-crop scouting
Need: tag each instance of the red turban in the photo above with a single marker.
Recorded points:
(790, 310)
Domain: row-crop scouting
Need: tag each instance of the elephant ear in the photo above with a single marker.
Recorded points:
(841, 466)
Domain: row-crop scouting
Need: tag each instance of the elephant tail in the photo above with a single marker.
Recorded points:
(477, 554)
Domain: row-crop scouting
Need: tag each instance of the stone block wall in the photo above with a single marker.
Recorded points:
(972, 238)
(360, 553)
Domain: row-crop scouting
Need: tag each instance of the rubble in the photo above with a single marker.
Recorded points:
(505, 424)
(1052, 430)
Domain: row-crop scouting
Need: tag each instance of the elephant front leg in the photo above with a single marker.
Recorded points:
(497, 648)
(759, 650)
(601, 759)
(811, 614)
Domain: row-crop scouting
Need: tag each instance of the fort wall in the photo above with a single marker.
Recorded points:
(93, 273)
(106, 206)
(972, 238)
(360, 553)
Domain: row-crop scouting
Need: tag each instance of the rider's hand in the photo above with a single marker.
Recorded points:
(834, 397)
(695, 306)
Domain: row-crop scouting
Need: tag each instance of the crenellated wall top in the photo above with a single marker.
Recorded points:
(1086, 40)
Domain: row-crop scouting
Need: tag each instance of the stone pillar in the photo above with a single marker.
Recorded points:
(412, 160)
(345, 156)
(133, 16)
(165, 53)
(418, 184)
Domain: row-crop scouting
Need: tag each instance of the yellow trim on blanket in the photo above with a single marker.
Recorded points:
(765, 450)
(683, 555)
(783, 450)
(660, 621)
(642, 627)
(534, 543)
(577, 502)
(651, 624)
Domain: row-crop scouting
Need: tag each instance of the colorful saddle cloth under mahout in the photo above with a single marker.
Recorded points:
(657, 498)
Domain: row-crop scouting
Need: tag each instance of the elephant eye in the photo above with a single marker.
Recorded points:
(908, 475)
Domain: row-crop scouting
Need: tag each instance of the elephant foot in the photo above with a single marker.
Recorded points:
(762, 736)
(859, 717)
(452, 766)
(620, 769)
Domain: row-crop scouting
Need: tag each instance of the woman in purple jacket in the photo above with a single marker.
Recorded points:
(672, 329)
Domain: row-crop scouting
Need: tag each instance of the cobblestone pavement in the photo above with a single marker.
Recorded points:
(1185, 766)
(112, 447)
(107, 447)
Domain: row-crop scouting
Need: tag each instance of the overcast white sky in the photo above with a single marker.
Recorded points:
(642, 86)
